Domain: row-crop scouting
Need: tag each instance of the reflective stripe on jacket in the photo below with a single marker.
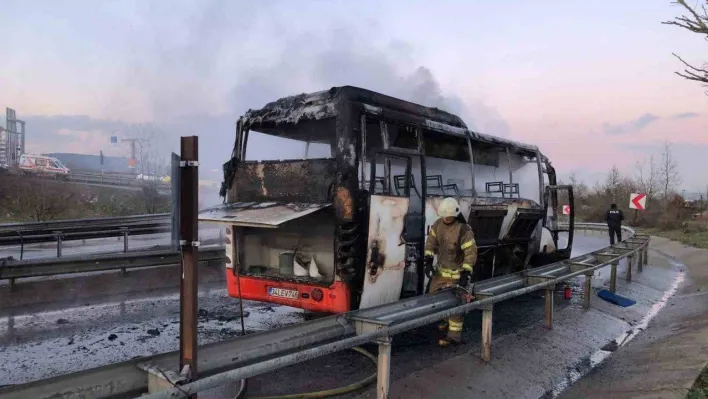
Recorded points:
(454, 244)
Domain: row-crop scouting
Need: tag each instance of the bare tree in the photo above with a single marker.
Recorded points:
(668, 170)
(580, 189)
(695, 21)
(152, 153)
(39, 199)
(648, 178)
(612, 183)
(152, 148)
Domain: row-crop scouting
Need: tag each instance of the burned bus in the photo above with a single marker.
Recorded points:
(329, 198)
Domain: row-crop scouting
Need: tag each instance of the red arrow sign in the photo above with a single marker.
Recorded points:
(637, 201)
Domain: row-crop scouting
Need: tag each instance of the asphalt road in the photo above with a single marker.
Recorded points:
(46, 344)
(412, 351)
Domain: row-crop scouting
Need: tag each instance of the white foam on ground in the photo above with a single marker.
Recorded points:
(600, 355)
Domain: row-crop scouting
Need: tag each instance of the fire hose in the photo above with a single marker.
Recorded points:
(319, 394)
(464, 293)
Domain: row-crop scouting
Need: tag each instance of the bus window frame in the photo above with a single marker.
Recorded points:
(375, 115)
(470, 152)
(388, 187)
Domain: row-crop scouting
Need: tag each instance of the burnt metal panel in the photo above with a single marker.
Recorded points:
(322, 105)
(254, 214)
(309, 181)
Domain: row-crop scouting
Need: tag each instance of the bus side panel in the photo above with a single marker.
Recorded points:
(385, 264)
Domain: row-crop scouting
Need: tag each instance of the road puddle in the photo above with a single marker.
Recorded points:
(595, 359)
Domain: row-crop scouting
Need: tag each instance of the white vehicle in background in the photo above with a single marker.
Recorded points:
(43, 165)
(149, 177)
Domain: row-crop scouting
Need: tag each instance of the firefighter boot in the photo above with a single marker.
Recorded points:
(454, 333)
(443, 326)
(447, 341)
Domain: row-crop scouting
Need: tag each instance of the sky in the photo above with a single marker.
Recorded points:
(591, 83)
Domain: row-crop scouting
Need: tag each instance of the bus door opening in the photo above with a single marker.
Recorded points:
(395, 228)
(559, 200)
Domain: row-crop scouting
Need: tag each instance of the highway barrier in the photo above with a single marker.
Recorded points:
(82, 229)
(112, 179)
(248, 356)
(12, 270)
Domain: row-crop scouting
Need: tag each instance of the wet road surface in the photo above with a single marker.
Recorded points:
(48, 344)
(43, 345)
(528, 361)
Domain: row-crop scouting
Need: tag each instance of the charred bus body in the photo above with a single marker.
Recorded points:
(330, 196)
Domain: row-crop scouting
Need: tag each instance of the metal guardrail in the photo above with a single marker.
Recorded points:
(94, 263)
(69, 223)
(82, 229)
(112, 179)
(78, 176)
(254, 354)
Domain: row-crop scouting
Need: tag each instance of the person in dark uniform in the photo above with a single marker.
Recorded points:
(614, 218)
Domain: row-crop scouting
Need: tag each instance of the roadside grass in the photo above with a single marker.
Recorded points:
(694, 237)
(699, 390)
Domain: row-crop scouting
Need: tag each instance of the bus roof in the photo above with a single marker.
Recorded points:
(323, 105)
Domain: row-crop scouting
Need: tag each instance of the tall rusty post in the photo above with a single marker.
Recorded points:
(189, 246)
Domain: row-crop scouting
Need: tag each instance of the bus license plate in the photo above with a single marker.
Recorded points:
(282, 293)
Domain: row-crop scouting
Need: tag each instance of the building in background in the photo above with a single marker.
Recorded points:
(92, 163)
(12, 139)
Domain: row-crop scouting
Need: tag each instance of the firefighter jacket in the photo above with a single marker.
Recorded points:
(455, 245)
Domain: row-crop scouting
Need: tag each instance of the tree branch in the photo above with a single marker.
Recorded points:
(702, 70)
(691, 74)
(700, 20)
(698, 24)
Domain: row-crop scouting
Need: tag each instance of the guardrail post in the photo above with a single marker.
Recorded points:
(630, 263)
(646, 254)
(587, 292)
(613, 276)
(58, 236)
(548, 323)
(383, 368)
(124, 230)
(487, 313)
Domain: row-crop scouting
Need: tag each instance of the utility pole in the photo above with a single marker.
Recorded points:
(114, 140)
(189, 247)
(132, 160)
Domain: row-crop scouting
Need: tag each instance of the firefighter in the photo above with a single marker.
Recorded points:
(614, 218)
(453, 241)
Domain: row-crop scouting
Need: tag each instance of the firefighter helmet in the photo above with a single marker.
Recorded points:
(448, 208)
